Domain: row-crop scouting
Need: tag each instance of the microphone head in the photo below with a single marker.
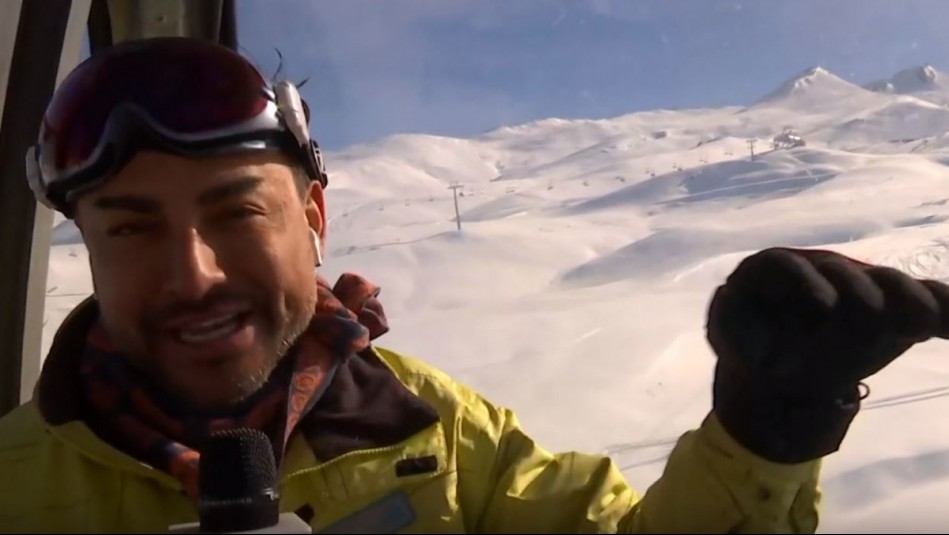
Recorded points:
(237, 479)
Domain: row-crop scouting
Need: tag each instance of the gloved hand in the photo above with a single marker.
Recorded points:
(796, 331)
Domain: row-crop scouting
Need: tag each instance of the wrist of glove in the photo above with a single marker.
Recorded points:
(796, 332)
(781, 425)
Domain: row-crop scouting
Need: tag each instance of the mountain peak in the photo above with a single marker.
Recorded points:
(911, 80)
(811, 76)
(815, 71)
(815, 82)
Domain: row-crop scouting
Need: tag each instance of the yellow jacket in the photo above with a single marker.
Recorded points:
(471, 471)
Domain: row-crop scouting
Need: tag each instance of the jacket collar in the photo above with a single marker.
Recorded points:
(365, 406)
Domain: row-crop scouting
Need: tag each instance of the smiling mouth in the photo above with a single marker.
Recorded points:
(212, 329)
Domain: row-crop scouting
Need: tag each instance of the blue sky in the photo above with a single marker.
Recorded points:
(462, 67)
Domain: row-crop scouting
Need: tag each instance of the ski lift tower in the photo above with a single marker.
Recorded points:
(41, 41)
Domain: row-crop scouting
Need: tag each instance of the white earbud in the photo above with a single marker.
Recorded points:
(316, 245)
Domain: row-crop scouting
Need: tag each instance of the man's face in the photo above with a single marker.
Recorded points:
(203, 269)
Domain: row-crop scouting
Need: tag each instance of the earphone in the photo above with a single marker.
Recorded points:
(316, 244)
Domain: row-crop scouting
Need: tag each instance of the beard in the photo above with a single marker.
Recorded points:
(281, 323)
(293, 329)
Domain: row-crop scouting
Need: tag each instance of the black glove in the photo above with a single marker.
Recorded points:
(796, 331)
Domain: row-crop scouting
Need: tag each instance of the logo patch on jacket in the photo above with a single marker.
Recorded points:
(416, 465)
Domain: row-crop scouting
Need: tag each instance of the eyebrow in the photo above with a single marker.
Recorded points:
(233, 188)
(147, 205)
(132, 203)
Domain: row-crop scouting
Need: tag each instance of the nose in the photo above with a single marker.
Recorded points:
(192, 267)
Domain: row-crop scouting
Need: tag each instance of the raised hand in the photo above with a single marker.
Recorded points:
(797, 330)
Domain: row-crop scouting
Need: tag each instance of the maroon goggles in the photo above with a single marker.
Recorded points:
(184, 96)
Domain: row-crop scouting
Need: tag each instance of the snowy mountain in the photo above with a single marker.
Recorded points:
(925, 82)
(913, 80)
(590, 248)
(816, 85)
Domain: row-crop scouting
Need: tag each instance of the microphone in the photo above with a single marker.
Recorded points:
(237, 490)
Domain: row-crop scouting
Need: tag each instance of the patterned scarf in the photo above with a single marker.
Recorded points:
(136, 418)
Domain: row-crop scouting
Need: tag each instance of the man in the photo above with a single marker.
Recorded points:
(200, 198)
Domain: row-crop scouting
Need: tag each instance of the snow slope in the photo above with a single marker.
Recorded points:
(576, 291)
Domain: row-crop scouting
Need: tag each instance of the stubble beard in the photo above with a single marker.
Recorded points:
(244, 386)
(295, 328)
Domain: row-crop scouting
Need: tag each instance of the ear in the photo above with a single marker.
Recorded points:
(315, 210)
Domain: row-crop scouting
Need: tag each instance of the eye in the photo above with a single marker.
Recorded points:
(243, 212)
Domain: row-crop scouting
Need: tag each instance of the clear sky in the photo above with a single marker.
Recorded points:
(461, 67)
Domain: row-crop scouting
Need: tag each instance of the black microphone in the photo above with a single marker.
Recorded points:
(237, 487)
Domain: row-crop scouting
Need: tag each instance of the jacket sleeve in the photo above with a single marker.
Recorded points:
(710, 484)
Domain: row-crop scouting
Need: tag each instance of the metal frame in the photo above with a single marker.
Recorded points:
(40, 41)
(37, 54)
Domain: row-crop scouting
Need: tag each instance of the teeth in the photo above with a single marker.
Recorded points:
(212, 323)
(209, 330)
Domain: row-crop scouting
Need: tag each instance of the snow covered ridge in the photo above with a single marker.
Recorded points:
(913, 80)
(589, 250)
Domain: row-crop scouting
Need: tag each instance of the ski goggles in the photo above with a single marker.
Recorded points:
(178, 95)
